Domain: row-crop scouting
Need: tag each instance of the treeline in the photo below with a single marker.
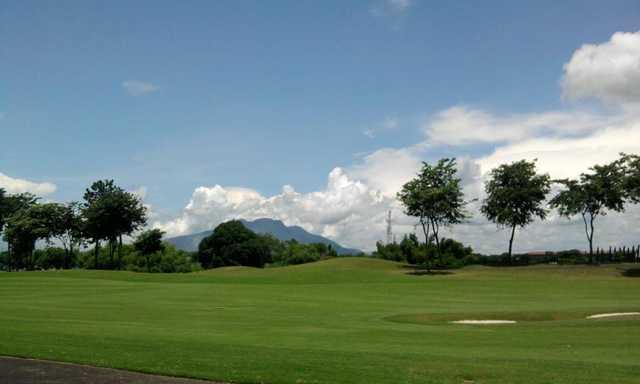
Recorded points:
(454, 254)
(516, 195)
(89, 234)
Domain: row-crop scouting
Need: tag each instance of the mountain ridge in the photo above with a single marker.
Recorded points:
(275, 228)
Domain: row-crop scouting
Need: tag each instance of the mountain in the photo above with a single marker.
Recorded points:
(275, 228)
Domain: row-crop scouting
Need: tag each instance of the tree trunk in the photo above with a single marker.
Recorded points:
(436, 230)
(96, 249)
(591, 237)
(120, 252)
(111, 252)
(589, 234)
(425, 230)
(513, 233)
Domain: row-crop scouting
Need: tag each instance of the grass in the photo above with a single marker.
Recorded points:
(348, 320)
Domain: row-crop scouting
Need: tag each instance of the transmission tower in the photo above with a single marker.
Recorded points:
(389, 231)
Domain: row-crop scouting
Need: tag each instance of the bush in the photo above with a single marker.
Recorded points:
(291, 253)
(53, 258)
(452, 254)
(169, 260)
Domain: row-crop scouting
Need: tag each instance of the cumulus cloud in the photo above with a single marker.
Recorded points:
(344, 203)
(14, 185)
(387, 169)
(139, 88)
(609, 71)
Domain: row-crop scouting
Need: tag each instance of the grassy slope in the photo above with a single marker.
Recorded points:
(338, 321)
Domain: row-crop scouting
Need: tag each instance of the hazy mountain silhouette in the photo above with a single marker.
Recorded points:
(275, 228)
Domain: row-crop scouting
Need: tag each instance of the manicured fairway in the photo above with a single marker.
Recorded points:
(350, 320)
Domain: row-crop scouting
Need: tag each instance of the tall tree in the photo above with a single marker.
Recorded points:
(515, 196)
(25, 228)
(66, 227)
(110, 212)
(592, 195)
(435, 197)
(148, 243)
(10, 205)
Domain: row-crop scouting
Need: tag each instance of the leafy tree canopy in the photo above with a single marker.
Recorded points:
(515, 196)
(593, 194)
(435, 197)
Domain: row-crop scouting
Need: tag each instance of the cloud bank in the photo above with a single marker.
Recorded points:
(352, 206)
(14, 185)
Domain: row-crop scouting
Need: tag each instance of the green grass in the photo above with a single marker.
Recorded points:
(348, 320)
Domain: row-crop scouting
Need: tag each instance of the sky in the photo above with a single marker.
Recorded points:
(316, 113)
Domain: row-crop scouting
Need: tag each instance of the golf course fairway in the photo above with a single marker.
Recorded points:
(343, 320)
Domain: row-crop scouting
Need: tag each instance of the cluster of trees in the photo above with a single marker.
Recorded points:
(231, 243)
(447, 254)
(516, 195)
(106, 215)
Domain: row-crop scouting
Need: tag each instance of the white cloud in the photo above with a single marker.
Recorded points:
(139, 88)
(13, 185)
(343, 204)
(388, 124)
(609, 71)
(387, 169)
(462, 125)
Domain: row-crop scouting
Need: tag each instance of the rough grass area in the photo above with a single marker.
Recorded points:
(348, 320)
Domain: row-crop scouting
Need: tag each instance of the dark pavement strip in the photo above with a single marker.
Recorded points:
(28, 371)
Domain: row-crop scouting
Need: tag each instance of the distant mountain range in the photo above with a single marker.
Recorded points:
(275, 228)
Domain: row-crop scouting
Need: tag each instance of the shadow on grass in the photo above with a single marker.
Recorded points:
(419, 270)
(631, 272)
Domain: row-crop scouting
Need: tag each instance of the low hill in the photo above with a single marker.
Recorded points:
(275, 228)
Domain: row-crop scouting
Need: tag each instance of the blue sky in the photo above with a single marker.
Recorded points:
(262, 94)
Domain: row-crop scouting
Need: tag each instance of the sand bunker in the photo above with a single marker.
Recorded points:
(604, 315)
(484, 322)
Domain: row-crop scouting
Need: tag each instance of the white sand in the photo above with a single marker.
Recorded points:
(484, 322)
(602, 315)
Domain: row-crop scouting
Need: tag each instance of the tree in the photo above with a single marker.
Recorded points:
(515, 196)
(11, 205)
(109, 212)
(27, 226)
(592, 195)
(149, 243)
(4, 208)
(631, 167)
(232, 243)
(435, 197)
(65, 226)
